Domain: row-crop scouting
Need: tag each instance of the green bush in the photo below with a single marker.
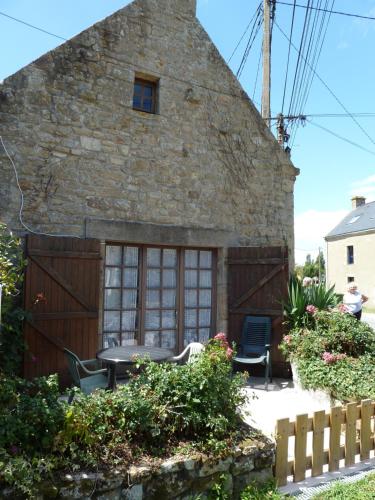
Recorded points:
(12, 264)
(30, 414)
(166, 404)
(334, 352)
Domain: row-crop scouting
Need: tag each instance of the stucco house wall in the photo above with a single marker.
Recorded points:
(362, 269)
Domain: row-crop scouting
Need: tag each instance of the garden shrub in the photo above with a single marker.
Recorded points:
(165, 403)
(165, 408)
(12, 264)
(334, 352)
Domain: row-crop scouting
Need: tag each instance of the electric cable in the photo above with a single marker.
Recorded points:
(287, 63)
(33, 26)
(244, 33)
(333, 12)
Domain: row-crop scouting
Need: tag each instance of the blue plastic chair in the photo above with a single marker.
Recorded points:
(94, 379)
(255, 346)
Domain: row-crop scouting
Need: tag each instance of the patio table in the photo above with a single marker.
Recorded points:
(128, 355)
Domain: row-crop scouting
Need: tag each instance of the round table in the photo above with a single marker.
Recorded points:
(128, 355)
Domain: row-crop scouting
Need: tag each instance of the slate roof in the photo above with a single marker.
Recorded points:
(358, 220)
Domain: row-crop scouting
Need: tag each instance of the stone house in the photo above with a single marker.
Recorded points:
(351, 250)
(135, 146)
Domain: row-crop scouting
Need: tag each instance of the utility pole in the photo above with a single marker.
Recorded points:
(266, 91)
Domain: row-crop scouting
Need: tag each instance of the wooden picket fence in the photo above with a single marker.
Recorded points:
(351, 433)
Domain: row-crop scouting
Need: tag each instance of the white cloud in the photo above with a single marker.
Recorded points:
(310, 228)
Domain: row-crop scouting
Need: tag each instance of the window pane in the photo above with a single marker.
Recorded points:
(169, 258)
(147, 105)
(112, 299)
(131, 256)
(147, 90)
(152, 319)
(111, 321)
(112, 276)
(130, 278)
(169, 278)
(112, 340)
(137, 88)
(205, 259)
(113, 255)
(153, 257)
(128, 320)
(190, 317)
(204, 317)
(168, 339)
(191, 298)
(190, 336)
(205, 279)
(129, 299)
(128, 338)
(152, 339)
(204, 335)
(205, 298)
(168, 319)
(136, 102)
(153, 298)
(153, 278)
(191, 279)
(191, 258)
(169, 298)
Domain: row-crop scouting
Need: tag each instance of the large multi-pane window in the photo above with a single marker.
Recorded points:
(158, 296)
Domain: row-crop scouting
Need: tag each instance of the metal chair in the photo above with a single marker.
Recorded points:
(95, 379)
(190, 352)
(255, 346)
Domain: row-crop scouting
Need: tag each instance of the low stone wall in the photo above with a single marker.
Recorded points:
(179, 478)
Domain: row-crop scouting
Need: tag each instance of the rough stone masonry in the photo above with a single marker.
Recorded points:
(205, 159)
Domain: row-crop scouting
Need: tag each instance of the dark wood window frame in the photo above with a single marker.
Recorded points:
(145, 92)
(180, 306)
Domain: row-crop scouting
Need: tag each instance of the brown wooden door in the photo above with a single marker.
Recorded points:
(257, 282)
(62, 294)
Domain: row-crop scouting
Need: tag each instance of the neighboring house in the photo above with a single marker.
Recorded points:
(351, 250)
(141, 161)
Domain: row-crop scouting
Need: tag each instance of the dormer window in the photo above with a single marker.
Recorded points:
(145, 94)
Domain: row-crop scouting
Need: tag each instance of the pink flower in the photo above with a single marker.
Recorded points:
(342, 308)
(221, 336)
(287, 339)
(229, 353)
(330, 358)
(311, 309)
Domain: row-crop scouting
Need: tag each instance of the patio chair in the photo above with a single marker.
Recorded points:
(255, 346)
(188, 355)
(112, 342)
(94, 379)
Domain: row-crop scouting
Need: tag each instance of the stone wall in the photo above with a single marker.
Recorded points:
(178, 478)
(204, 160)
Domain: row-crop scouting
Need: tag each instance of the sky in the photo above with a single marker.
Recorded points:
(332, 170)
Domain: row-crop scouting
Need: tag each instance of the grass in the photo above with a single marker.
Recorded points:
(364, 489)
(267, 491)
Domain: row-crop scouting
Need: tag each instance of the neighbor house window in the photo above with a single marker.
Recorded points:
(144, 97)
(350, 254)
(350, 279)
(162, 297)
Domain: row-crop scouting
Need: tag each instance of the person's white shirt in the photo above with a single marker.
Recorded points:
(353, 301)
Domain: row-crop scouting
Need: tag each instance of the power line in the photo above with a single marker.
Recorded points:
(32, 26)
(330, 91)
(326, 10)
(287, 64)
(254, 31)
(325, 115)
(341, 137)
(244, 33)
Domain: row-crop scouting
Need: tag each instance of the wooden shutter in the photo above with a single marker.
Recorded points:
(66, 271)
(257, 283)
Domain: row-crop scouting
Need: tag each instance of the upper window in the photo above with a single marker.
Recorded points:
(350, 279)
(350, 254)
(144, 97)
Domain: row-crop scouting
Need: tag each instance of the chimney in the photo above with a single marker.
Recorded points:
(358, 201)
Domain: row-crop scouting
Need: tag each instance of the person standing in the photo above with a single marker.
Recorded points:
(353, 300)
